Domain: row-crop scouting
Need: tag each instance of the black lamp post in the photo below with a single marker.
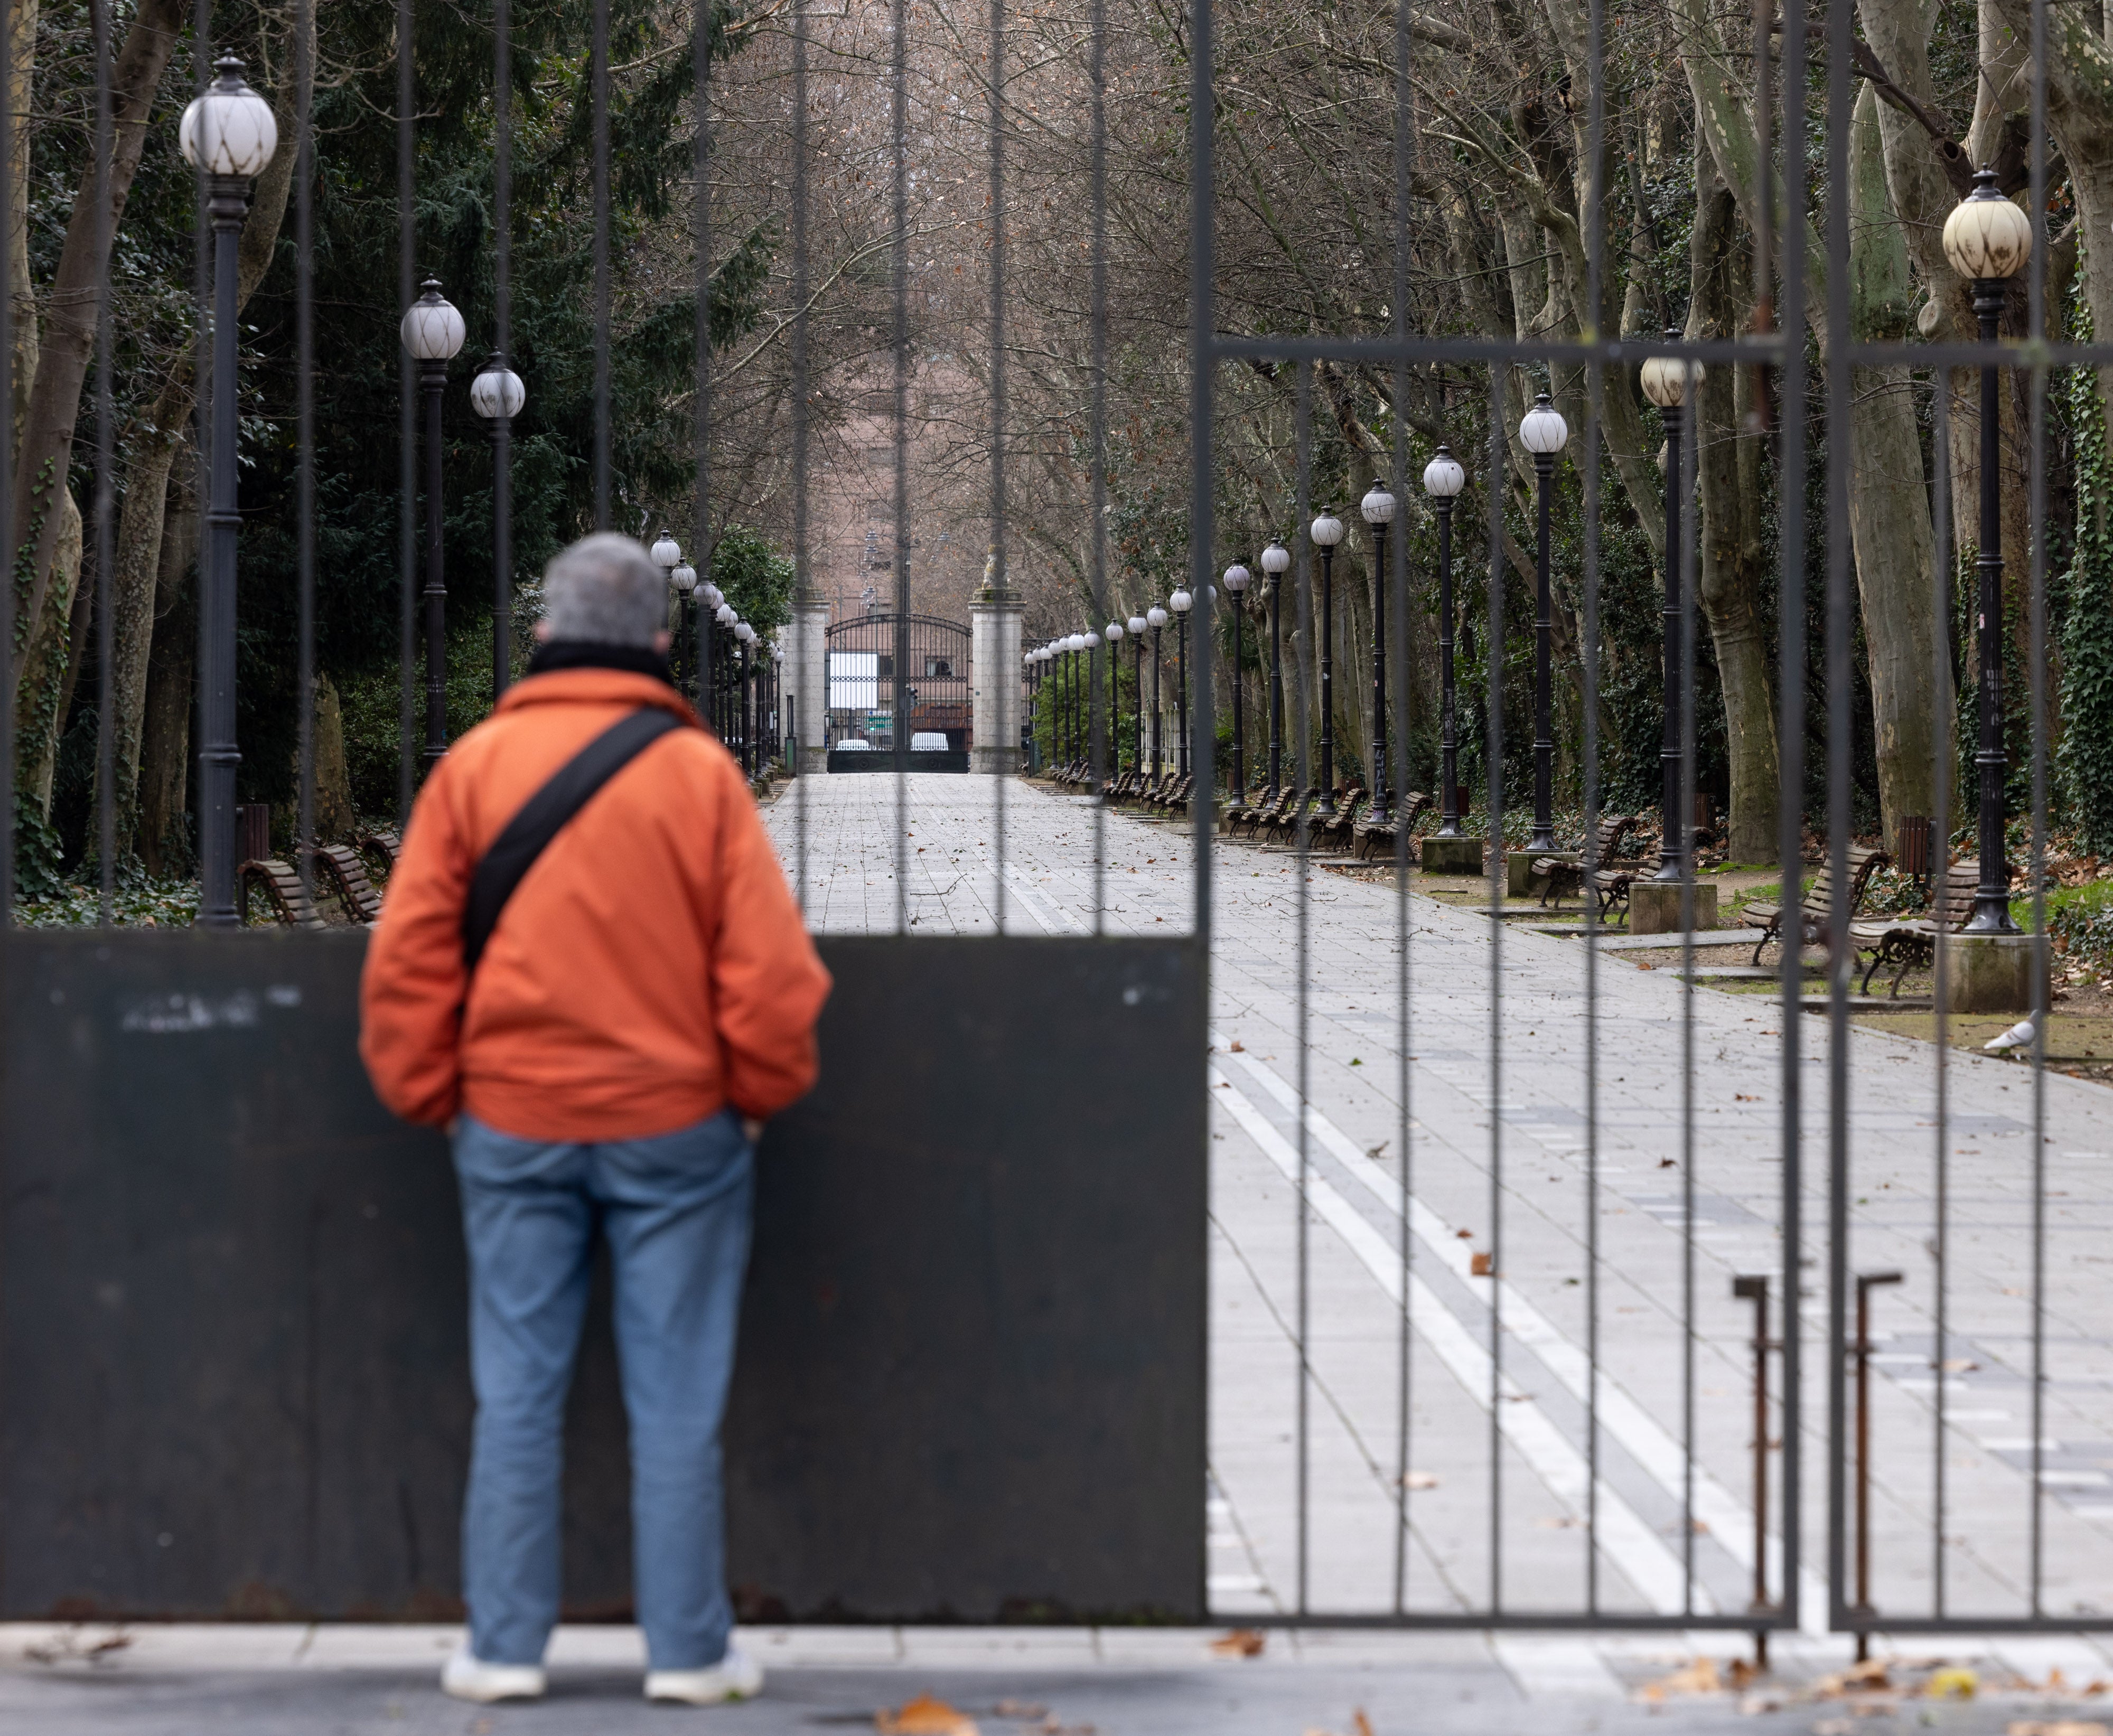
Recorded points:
(497, 395)
(667, 554)
(432, 333)
(1137, 626)
(1077, 642)
(1326, 531)
(1238, 578)
(1542, 432)
(229, 135)
(1443, 480)
(1156, 616)
(684, 579)
(1377, 508)
(715, 685)
(1181, 602)
(1988, 240)
(1113, 633)
(1666, 383)
(1275, 562)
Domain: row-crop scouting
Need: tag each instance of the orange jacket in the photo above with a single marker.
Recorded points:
(650, 967)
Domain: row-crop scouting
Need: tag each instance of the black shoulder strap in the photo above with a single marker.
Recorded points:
(544, 815)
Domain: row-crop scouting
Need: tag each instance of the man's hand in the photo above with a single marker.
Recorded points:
(752, 1128)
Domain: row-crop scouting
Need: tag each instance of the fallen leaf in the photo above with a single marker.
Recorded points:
(1699, 1676)
(1646, 967)
(1364, 1724)
(1237, 1047)
(1420, 1480)
(1481, 1265)
(1740, 1096)
(1740, 1672)
(1240, 1643)
(926, 1715)
(1959, 1366)
(1465, 1235)
(2054, 1727)
(1762, 1700)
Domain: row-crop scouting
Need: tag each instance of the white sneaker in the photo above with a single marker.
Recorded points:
(737, 1676)
(467, 1677)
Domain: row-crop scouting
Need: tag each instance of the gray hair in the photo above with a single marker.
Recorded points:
(604, 589)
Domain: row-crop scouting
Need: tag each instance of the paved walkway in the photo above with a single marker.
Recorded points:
(355, 1681)
(1687, 1093)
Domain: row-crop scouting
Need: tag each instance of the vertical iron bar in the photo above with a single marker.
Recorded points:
(1687, 433)
(1301, 833)
(999, 577)
(1595, 252)
(304, 358)
(1493, 491)
(1941, 685)
(802, 556)
(407, 412)
(1840, 743)
(7, 290)
(701, 244)
(105, 543)
(1099, 292)
(898, 718)
(598, 97)
(1202, 492)
(502, 320)
(1789, 689)
(1397, 578)
(2037, 630)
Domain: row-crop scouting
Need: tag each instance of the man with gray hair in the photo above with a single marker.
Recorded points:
(590, 970)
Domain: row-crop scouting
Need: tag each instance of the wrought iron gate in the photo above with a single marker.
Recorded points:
(916, 667)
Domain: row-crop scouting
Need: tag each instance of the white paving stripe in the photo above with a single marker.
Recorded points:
(1633, 1546)
(1729, 1519)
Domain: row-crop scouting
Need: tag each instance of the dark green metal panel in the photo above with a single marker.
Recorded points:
(232, 1375)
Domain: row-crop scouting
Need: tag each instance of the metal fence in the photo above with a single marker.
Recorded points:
(1512, 1357)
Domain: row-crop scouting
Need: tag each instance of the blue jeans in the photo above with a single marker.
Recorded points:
(677, 1210)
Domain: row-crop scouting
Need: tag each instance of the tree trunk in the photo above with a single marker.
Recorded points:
(335, 821)
(1889, 504)
(39, 701)
(159, 834)
(22, 16)
(1729, 564)
(69, 338)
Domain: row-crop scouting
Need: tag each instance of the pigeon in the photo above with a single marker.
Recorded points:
(2016, 1038)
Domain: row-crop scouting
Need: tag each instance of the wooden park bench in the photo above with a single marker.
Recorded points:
(1906, 942)
(1339, 831)
(286, 897)
(1259, 813)
(1408, 810)
(1814, 912)
(1290, 816)
(1565, 878)
(338, 867)
(380, 850)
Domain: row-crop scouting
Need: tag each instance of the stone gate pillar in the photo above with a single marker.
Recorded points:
(806, 677)
(995, 714)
